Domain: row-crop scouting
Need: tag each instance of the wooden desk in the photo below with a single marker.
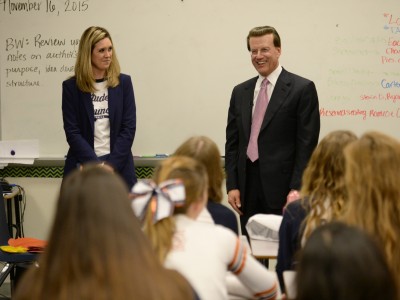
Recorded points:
(13, 198)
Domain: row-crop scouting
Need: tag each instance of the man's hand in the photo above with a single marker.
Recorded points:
(292, 196)
(234, 200)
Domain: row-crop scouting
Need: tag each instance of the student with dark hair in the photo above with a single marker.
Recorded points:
(340, 262)
(97, 250)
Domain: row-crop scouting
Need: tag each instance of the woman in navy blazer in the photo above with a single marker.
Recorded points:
(98, 106)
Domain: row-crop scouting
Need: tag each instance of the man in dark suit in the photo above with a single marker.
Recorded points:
(287, 135)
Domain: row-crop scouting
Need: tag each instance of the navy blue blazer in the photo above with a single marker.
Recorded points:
(222, 215)
(290, 233)
(78, 117)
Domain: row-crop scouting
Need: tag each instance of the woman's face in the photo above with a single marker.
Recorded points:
(101, 58)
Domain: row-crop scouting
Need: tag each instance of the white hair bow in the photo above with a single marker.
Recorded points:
(162, 198)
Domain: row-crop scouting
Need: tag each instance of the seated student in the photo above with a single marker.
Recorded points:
(341, 262)
(372, 181)
(97, 249)
(206, 151)
(323, 195)
(202, 252)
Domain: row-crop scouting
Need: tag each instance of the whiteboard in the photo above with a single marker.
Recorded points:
(186, 56)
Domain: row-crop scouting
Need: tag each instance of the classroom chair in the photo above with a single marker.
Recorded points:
(10, 261)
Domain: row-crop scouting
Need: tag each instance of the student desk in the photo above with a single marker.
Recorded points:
(263, 230)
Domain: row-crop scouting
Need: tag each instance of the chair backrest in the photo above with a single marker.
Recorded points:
(4, 232)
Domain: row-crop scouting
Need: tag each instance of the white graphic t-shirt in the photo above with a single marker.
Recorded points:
(101, 119)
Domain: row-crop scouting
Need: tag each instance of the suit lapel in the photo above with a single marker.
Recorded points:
(278, 97)
(87, 102)
(111, 103)
(247, 106)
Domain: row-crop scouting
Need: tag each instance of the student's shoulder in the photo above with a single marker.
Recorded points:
(213, 231)
(224, 234)
(296, 208)
(219, 208)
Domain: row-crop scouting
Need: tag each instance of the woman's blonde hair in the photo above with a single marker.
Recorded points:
(194, 177)
(372, 180)
(206, 151)
(323, 180)
(83, 65)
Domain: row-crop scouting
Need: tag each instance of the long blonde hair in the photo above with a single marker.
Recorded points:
(323, 189)
(83, 65)
(194, 177)
(372, 180)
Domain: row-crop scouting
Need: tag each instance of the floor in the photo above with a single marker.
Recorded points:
(5, 288)
(5, 291)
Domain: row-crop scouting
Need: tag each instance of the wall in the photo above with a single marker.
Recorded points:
(41, 196)
(184, 58)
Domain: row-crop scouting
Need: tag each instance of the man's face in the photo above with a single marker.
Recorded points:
(264, 55)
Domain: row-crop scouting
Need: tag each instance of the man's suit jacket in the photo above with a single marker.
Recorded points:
(288, 136)
(78, 116)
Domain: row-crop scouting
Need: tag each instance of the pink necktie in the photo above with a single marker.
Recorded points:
(258, 117)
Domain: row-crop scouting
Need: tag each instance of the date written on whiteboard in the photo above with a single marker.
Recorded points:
(48, 6)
